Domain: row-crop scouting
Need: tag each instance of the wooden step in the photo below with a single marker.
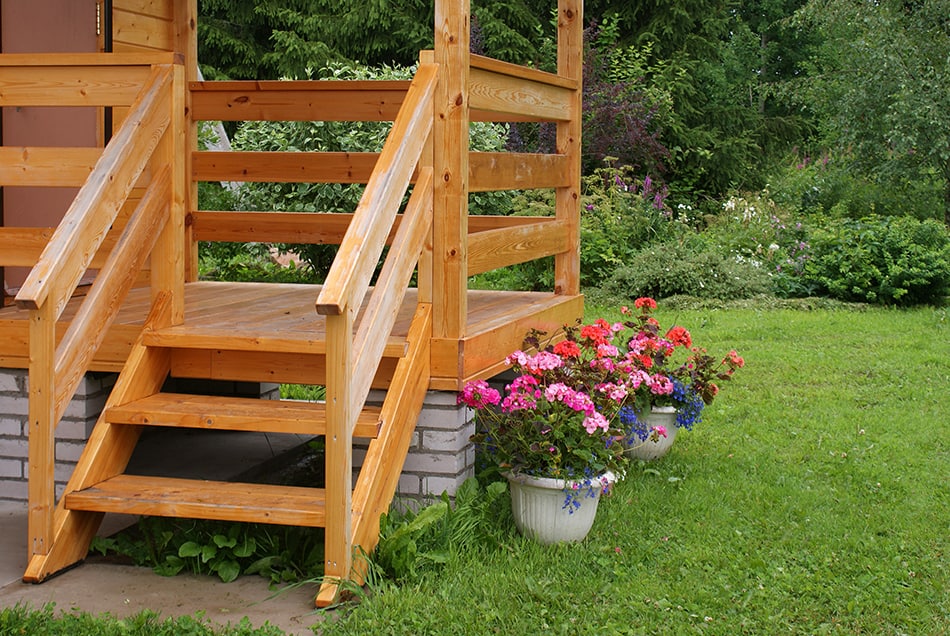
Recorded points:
(236, 414)
(229, 337)
(202, 499)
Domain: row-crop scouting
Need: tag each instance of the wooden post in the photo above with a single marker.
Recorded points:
(570, 60)
(186, 42)
(425, 274)
(450, 162)
(42, 439)
(341, 414)
(168, 274)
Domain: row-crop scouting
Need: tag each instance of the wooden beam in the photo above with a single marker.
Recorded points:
(507, 246)
(328, 100)
(450, 136)
(52, 167)
(283, 167)
(496, 92)
(570, 64)
(516, 171)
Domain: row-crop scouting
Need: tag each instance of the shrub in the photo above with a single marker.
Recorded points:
(670, 269)
(335, 136)
(886, 260)
(831, 185)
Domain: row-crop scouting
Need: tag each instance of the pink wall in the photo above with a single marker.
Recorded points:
(45, 26)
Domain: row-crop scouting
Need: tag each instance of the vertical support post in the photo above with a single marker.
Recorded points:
(450, 162)
(42, 437)
(570, 61)
(341, 416)
(425, 265)
(168, 273)
(186, 42)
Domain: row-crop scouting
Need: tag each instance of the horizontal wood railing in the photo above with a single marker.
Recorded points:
(115, 79)
(70, 250)
(526, 93)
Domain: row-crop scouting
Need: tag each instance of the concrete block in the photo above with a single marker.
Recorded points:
(17, 448)
(436, 485)
(9, 381)
(68, 451)
(12, 426)
(446, 441)
(13, 489)
(11, 468)
(435, 463)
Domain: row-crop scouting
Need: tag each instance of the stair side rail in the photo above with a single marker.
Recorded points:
(352, 359)
(147, 138)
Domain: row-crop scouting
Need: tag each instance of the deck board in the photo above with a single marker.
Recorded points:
(283, 315)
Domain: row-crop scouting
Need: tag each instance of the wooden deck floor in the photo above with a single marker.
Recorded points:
(262, 313)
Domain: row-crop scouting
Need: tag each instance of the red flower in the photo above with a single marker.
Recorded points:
(680, 337)
(567, 349)
(641, 303)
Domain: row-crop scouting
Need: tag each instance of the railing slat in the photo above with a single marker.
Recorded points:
(390, 289)
(283, 167)
(53, 167)
(99, 308)
(501, 247)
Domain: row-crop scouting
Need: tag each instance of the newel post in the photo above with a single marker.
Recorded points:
(570, 62)
(450, 161)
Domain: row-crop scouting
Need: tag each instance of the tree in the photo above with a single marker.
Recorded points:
(880, 84)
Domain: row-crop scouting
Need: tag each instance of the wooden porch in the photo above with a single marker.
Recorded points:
(279, 318)
(134, 228)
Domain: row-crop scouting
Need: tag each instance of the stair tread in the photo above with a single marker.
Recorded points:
(203, 499)
(236, 414)
(191, 336)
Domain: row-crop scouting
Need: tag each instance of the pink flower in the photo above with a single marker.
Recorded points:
(595, 421)
(660, 385)
(543, 361)
(478, 395)
(659, 430)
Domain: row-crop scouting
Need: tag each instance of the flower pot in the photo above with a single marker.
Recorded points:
(649, 449)
(541, 511)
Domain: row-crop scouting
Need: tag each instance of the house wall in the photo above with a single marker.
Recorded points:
(68, 26)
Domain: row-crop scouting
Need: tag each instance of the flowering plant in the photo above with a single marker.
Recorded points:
(555, 418)
(681, 375)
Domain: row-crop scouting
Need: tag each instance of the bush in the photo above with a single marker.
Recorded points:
(336, 136)
(831, 185)
(886, 260)
(671, 269)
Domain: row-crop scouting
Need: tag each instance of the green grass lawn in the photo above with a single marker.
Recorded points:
(814, 498)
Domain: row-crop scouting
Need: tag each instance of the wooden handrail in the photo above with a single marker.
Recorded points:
(358, 255)
(84, 227)
(352, 360)
(282, 100)
(100, 306)
(380, 314)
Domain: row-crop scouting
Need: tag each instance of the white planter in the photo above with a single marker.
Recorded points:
(648, 449)
(537, 504)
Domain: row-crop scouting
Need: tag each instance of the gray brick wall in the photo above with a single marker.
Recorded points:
(71, 434)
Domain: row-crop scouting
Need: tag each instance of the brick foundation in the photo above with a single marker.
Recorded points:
(440, 455)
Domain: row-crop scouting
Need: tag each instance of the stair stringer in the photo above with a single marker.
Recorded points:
(106, 454)
(382, 465)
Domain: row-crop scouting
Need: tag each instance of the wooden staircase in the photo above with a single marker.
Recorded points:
(100, 485)
(342, 338)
